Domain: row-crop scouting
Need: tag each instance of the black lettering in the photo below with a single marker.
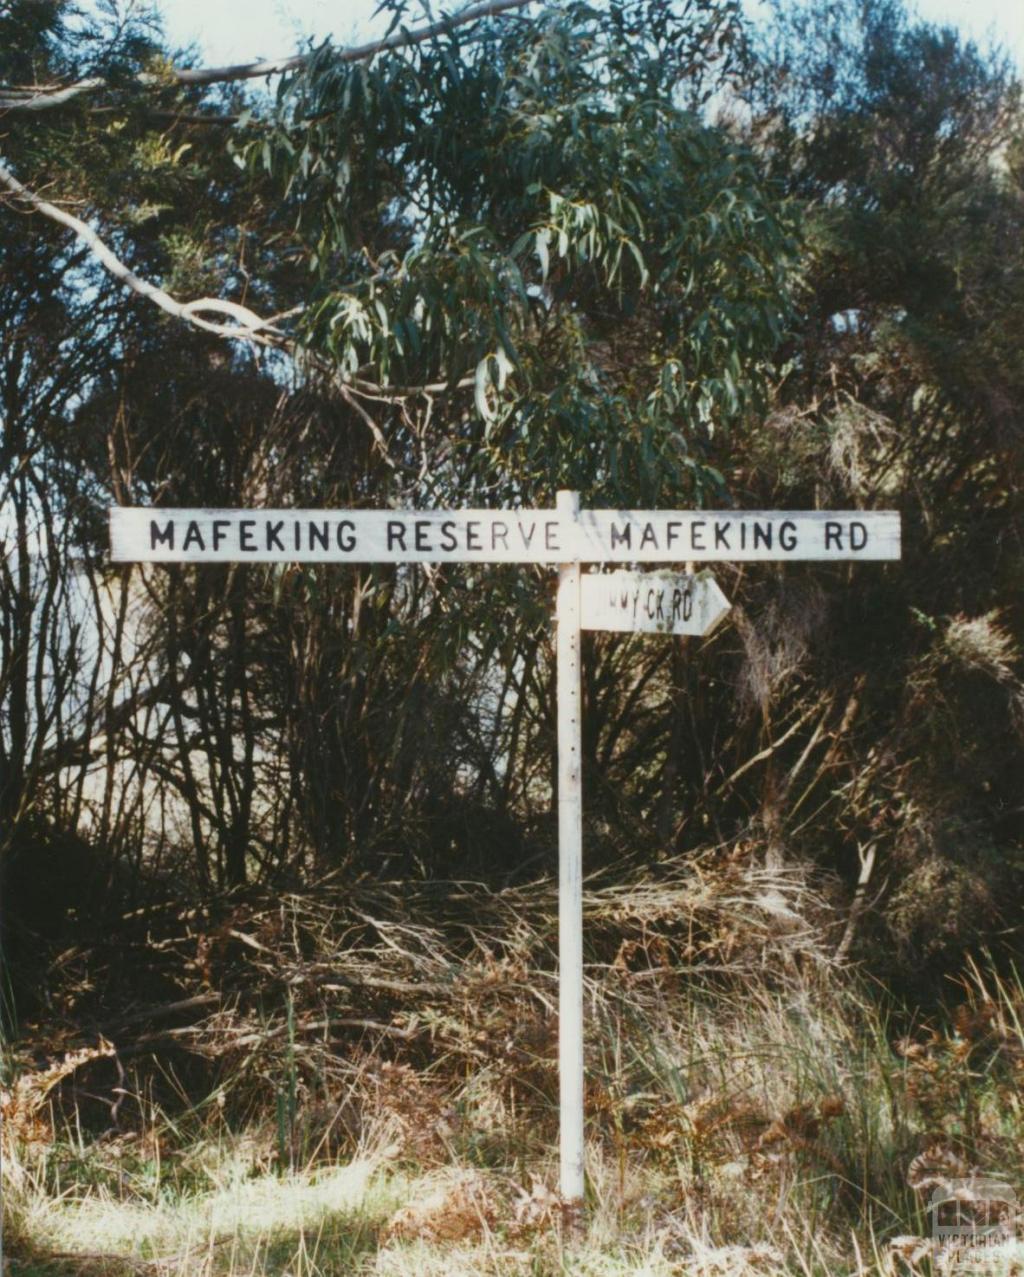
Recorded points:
(763, 534)
(166, 537)
(297, 533)
(193, 534)
(650, 605)
(858, 536)
(422, 528)
(833, 532)
(396, 534)
(273, 531)
(649, 535)
(246, 540)
(697, 535)
(625, 536)
(722, 536)
(677, 605)
(319, 533)
(527, 536)
(473, 541)
(636, 600)
(688, 603)
(551, 535)
(499, 532)
(346, 534)
(220, 531)
(787, 535)
(671, 532)
(660, 608)
(449, 541)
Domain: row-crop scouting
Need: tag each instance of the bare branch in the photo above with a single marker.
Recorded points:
(367, 420)
(247, 325)
(44, 97)
(371, 390)
(173, 117)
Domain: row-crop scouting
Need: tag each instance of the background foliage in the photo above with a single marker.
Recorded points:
(623, 249)
(276, 844)
(636, 249)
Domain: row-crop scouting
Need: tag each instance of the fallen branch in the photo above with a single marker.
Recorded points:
(45, 97)
(171, 1008)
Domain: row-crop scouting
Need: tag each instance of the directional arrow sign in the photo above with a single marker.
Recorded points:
(650, 602)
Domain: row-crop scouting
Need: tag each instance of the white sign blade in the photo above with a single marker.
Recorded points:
(338, 536)
(651, 602)
(734, 536)
(499, 536)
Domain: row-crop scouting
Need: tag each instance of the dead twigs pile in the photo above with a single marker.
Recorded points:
(322, 1004)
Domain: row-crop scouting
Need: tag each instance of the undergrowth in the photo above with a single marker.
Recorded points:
(338, 1087)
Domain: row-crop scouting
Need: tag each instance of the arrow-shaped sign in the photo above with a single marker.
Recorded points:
(650, 602)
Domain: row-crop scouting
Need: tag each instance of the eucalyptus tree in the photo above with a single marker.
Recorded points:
(533, 265)
(480, 259)
(93, 395)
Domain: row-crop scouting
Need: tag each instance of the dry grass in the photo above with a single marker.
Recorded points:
(749, 1112)
(372, 1217)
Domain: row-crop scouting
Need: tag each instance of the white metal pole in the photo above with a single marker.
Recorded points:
(570, 869)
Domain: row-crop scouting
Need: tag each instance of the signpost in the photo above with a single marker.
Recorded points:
(623, 601)
(568, 695)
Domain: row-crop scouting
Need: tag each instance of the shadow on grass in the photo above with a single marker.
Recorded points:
(332, 1248)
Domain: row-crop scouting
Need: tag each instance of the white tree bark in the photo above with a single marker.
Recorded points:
(45, 97)
(246, 325)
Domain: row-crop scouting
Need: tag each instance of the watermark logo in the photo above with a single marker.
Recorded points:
(972, 1218)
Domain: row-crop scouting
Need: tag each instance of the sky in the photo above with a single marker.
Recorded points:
(245, 30)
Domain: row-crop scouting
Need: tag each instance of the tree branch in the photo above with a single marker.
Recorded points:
(172, 117)
(44, 97)
(247, 325)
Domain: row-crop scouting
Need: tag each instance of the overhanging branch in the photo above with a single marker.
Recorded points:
(45, 97)
(246, 325)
